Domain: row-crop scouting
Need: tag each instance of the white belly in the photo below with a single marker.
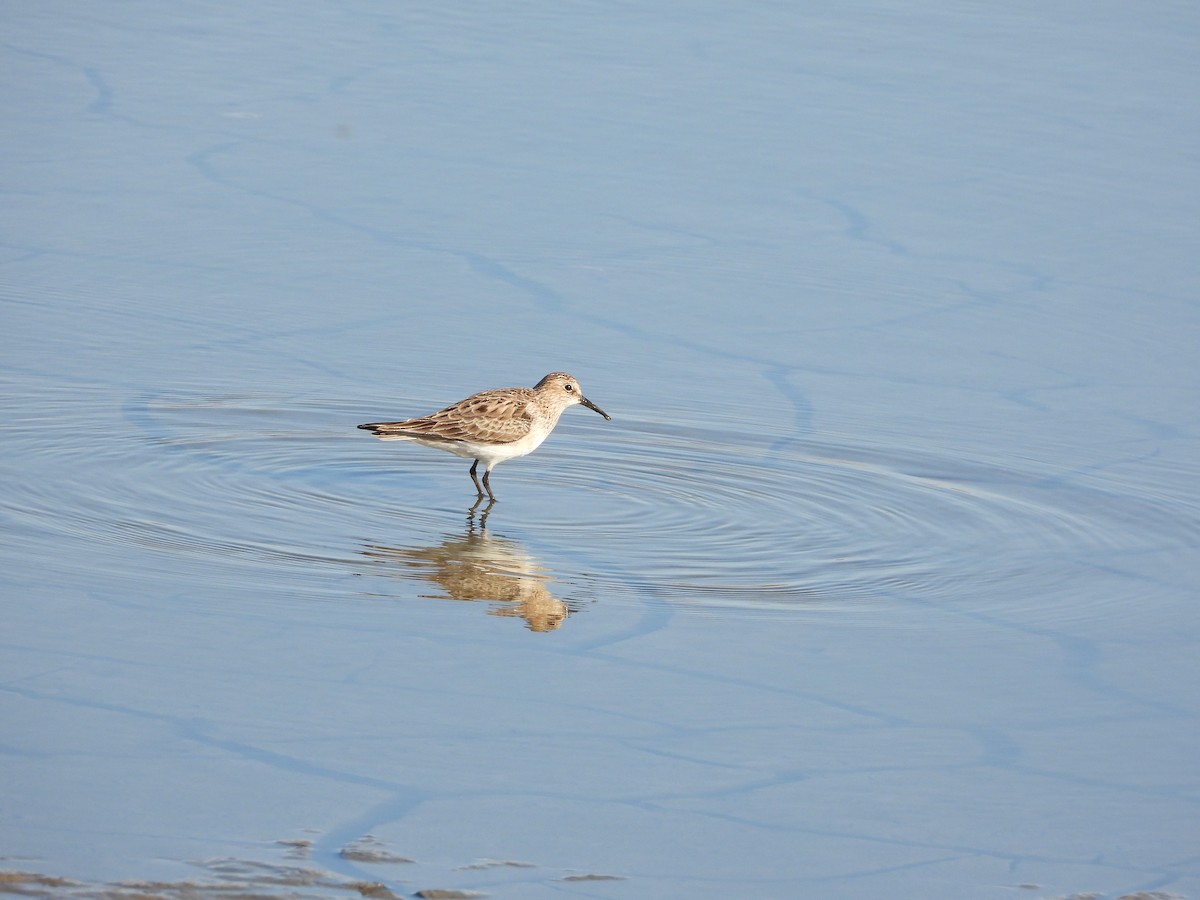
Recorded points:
(490, 454)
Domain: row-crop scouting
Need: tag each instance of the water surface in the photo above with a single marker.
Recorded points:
(881, 582)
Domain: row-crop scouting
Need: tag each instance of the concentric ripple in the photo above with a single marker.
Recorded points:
(724, 518)
(734, 519)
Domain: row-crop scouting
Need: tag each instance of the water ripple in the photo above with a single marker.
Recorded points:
(716, 519)
(738, 519)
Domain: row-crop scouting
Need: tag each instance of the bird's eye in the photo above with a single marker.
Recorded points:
(568, 387)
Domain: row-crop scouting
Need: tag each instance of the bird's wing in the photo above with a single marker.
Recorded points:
(493, 417)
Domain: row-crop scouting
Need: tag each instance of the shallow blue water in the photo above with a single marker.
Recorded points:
(881, 582)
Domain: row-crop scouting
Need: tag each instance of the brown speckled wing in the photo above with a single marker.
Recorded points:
(493, 417)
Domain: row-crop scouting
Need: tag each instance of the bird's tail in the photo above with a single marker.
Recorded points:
(408, 430)
(387, 431)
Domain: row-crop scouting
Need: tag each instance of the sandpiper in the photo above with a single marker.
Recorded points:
(492, 426)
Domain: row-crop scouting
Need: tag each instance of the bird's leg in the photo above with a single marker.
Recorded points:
(487, 473)
(478, 489)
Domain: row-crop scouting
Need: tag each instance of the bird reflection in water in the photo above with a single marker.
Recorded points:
(482, 567)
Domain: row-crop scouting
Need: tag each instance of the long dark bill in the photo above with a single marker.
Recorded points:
(592, 406)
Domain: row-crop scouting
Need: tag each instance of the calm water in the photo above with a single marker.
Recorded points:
(882, 582)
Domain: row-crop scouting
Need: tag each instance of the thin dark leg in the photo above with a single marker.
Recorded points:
(487, 474)
(478, 489)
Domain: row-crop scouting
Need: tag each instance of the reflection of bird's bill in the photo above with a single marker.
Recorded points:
(540, 613)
